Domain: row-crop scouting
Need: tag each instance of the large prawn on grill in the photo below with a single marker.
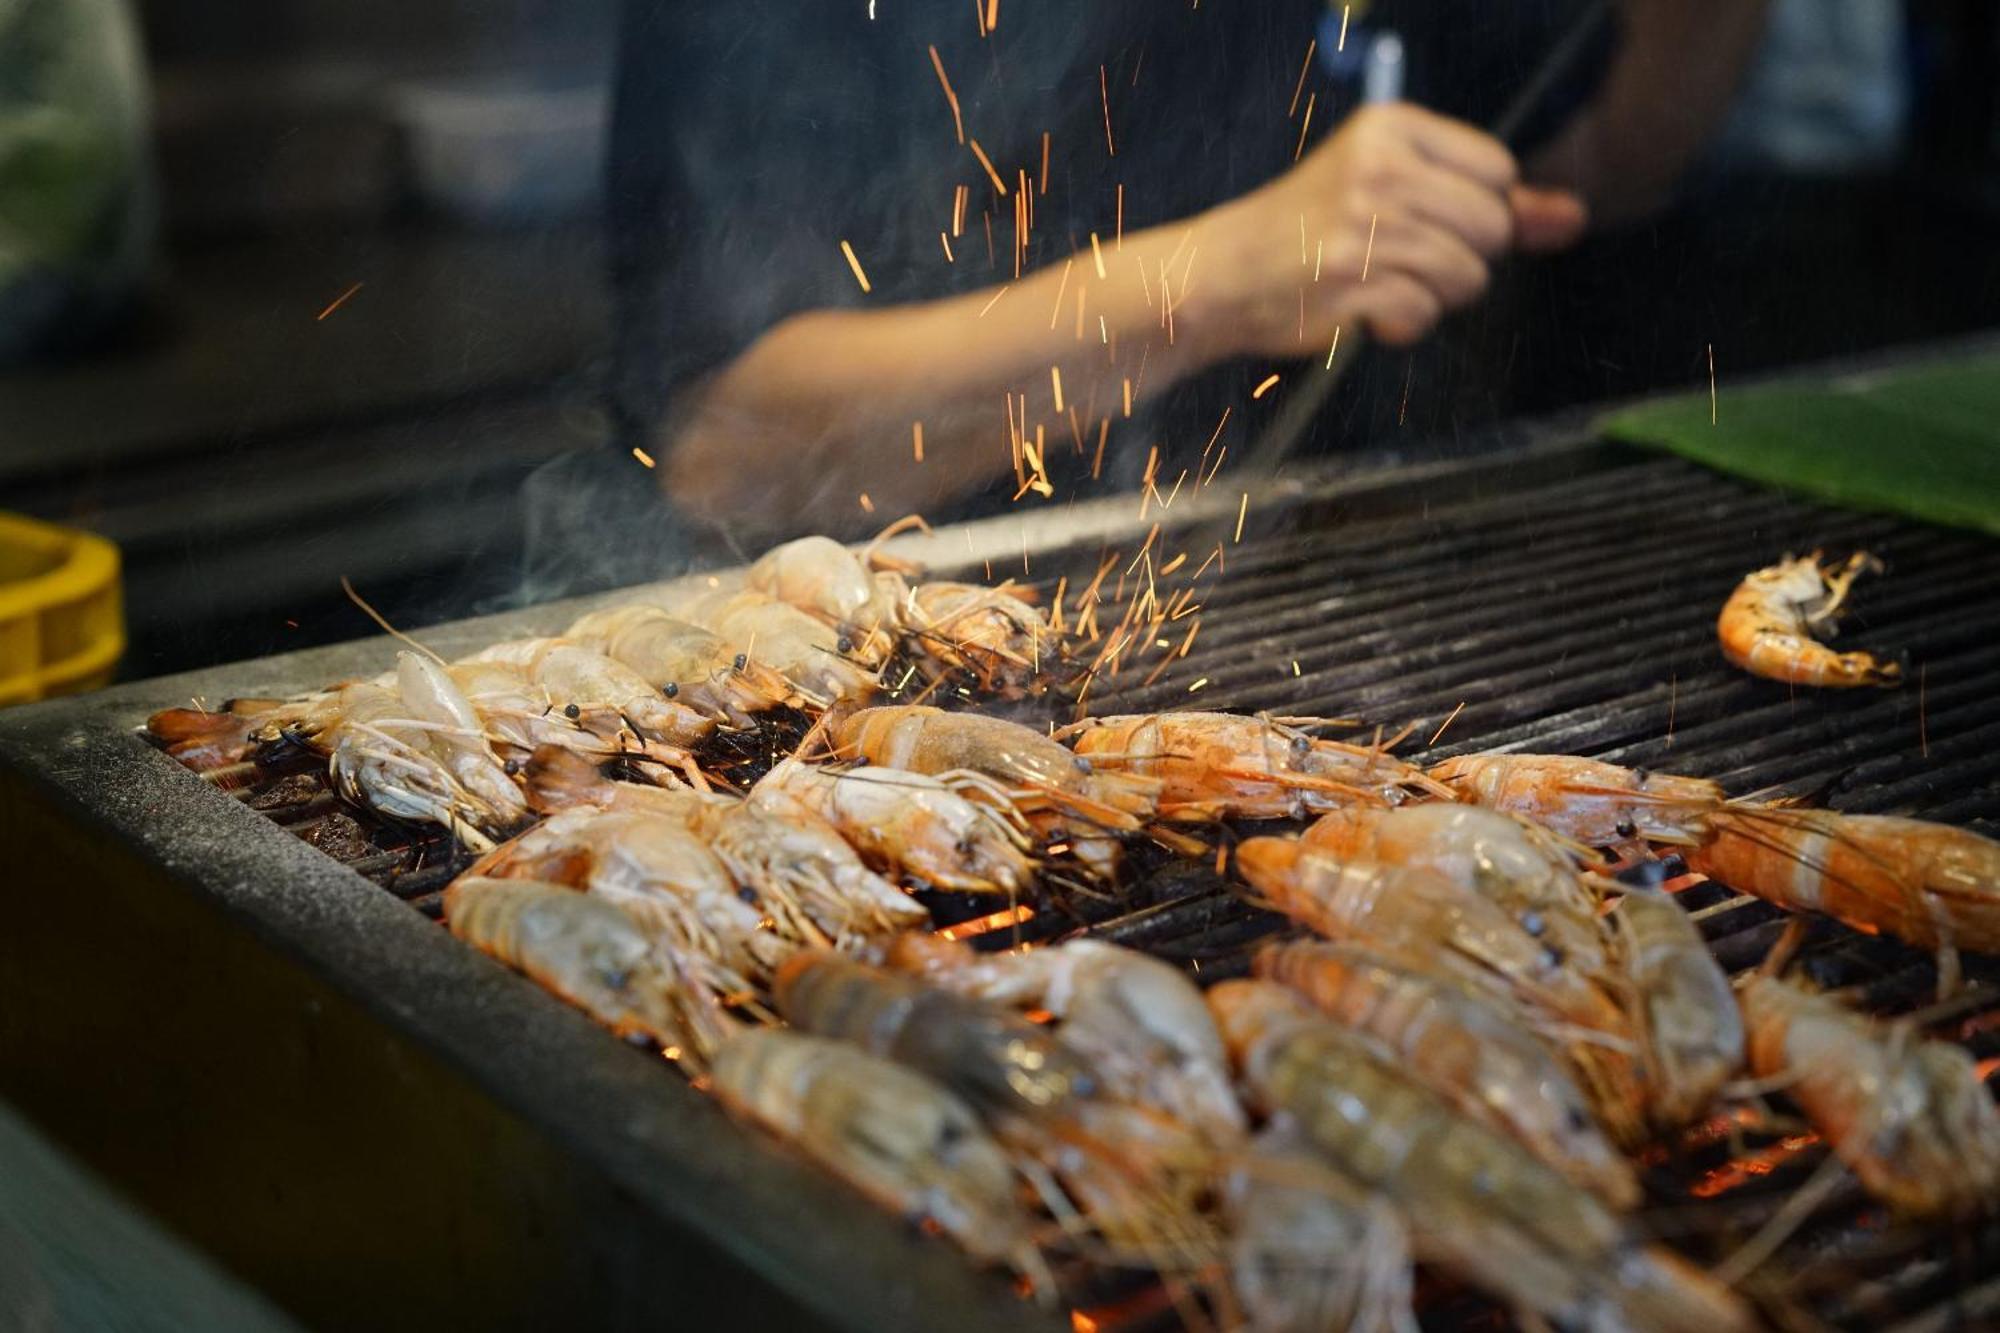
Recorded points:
(1138, 1019)
(1475, 1202)
(1217, 765)
(666, 878)
(687, 663)
(1933, 885)
(599, 693)
(1767, 625)
(1133, 1175)
(903, 1139)
(1062, 793)
(995, 635)
(816, 658)
(1910, 1117)
(1588, 801)
(775, 847)
(1419, 916)
(593, 955)
(910, 824)
(1471, 1047)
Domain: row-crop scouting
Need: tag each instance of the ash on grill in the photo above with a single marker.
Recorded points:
(1565, 621)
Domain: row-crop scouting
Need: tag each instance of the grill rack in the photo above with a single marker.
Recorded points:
(1437, 621)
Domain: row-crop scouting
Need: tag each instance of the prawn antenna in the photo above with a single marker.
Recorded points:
(347, 587)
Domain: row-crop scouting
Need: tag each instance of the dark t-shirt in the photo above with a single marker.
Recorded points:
(752, 138)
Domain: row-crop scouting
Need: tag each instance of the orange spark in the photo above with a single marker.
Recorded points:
(1305, 68)
(958, 194)
(1042, 185)
(1447, 722)
(1711, 384)
(999, 185)
(1061, 287)
(995, 301)
(1342, 44)
(992, 15)
(336, 303)
(1118, 242)
(1304, 127)
(1368, 255)
(917, 431)
(855, 264)
(1128, 395)
(1265, 387)
(945, 241)
(1330, 352)
(1097, 253)
(957, 120)
(1241, 510)
(1198, 685)
(1104, 94)
(1055, 384)
(642, 456)
(867, 505)
(1097, 460)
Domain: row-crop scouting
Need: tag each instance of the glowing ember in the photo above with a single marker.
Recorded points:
(1270, 381)
(337, 303)
(1762, 1163)
(992, 921)
(642, 456)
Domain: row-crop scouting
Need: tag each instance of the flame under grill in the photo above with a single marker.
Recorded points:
(1577, 617)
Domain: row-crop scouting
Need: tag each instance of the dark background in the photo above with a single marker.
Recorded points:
(246, 455)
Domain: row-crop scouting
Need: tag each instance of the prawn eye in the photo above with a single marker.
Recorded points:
(1082, 764)
(1577, 1120)
(1532, 923)
(1640, 775)
(1552, 955)
(747, 894)
(1625, 828)
(1301, 746)
(512, 767)
(671, 689)
(845, 644)
(742, 660)
(572, 712)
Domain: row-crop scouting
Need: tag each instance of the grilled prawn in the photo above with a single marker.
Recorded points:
(897, 1136)
(1463, 1045)
(600, 694)
(1140, 1021)
(1134, 1174)
(1475, 1202)
(1910, 1117)
(1215, 765)
(381, 757)
(1932, 885)
(1767, 625)
(1064, 793)
(1515, 866)
(1419, 916)
(994, 634)
(1587, 800)
(686, 662)
(783, 854)
(591, 954)
(813, 656)
(825, 579)
(1309, 1250)
(909, 824)
(1693, 1040)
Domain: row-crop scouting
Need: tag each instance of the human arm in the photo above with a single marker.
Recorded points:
(1383, 227)
(1667, 92)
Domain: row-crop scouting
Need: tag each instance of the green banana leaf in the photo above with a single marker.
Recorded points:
(1922, 441)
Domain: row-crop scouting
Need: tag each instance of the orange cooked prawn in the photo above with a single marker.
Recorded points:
(1932, 885)
(1767, 625)
(1587, 800)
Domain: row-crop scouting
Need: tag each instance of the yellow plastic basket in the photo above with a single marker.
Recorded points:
(62, 623)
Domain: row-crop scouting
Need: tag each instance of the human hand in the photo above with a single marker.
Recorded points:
(1386, 226)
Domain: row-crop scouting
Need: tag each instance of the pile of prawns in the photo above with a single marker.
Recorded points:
(1453, 1059)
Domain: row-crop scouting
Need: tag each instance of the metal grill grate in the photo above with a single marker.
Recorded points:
(1576, 617)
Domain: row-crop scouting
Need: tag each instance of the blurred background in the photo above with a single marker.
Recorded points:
(335, 287)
